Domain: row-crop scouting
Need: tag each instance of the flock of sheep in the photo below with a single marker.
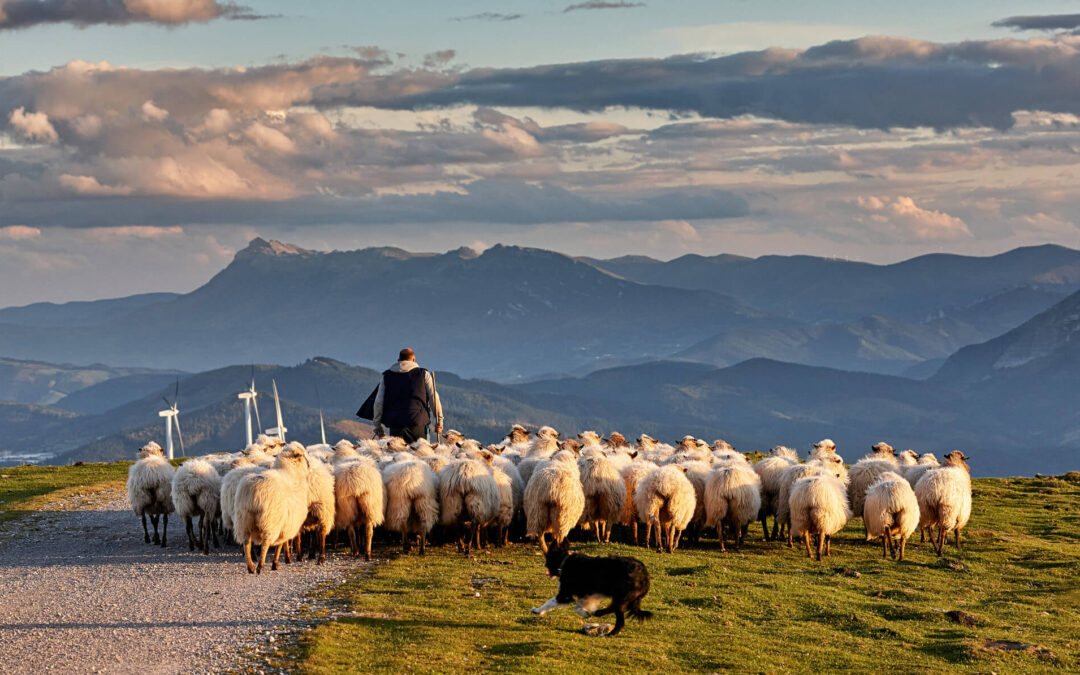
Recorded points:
(286, 496)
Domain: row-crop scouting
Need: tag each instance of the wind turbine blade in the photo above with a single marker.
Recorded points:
(179, 436)
(167, 404)
(277, 408)
(176, 395)
(322, 425)
(255, 404)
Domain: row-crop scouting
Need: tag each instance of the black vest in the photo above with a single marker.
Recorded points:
(405, 399)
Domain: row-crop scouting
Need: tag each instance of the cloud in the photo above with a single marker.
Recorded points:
(33, 126)
(488, 16)
(872, 82)
(903, 218)
(602, 4)
(19, 232)
(132, 232)
(152, 113)
(1044, 22)
(19, 14)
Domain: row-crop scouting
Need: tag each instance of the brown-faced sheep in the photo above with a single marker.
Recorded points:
(944, 496)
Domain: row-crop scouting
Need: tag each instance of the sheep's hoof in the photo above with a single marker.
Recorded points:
(148, 539)
(273, 567)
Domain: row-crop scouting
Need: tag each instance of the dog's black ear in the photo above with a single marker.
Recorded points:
(564, 546)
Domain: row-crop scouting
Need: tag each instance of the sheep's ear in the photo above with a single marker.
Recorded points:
(486, 456)
(633, 454)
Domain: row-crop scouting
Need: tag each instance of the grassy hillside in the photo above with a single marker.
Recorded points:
(24, 489)
(765, 609)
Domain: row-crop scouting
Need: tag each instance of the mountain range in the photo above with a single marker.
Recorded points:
(984, 359)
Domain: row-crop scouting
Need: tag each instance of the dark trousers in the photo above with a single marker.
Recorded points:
(409, 434)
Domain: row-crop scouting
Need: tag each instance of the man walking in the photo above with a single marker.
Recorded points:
(406, 400)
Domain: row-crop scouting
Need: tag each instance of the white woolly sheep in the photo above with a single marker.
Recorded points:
(944, 496)
(554, 500)
(826, 446)
(412, 501)
(229, 482)
(697, 472)
(732, 501)
(468, 498)
(891, 511)
(770, 470)
(149, 489)
(665, 500)
(829, 464)
(270, 506)
(359, 501)
(605, 494)
(818, 508)
(322, 508)
(866, 472)
(196, 492)
(632, 475)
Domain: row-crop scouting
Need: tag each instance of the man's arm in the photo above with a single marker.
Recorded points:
(376, 419)
(434, 404)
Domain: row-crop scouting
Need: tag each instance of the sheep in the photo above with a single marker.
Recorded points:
(891, 511)
(632, 475)
(926, 462)
(359, 501)
(769, 470)
(271, 506)
(542, 448)
(517, 488)
(554, 500)
(906, 458)
(149, 489)
(221, 461)
(588, 438)
(732, 499)
(196, 491)
(240, 466)
(616, 441)
(509, 500)
(322, 507)
(831, 464)
(944, 496)
(412, 501)
(344, 451)
(518, 435)
(818, 507)
(826, 446)
(469, 498)
(698, 473)
(665, 500)
(866, 472)
(605, 494)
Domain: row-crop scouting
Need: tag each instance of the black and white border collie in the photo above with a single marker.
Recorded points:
(624, 580)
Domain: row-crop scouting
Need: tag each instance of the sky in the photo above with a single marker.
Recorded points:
(143, 142)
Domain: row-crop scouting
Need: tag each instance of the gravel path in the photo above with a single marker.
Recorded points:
(81, 592)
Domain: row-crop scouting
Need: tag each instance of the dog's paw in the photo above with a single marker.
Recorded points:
(597, 629)
(537, 611)
(582, 612)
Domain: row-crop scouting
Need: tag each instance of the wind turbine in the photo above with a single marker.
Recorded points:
(280, 429)
(170, 414)
(248, 397)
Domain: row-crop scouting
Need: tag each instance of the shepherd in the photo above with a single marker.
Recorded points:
(406, 401)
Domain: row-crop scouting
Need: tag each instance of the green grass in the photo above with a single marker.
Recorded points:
(766, 609)
(25, 489)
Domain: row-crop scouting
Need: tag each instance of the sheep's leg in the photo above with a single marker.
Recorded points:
(277, 554)
(215, 527)
(352, 541)
(543, 542)
(633, 532)
(775, 528)
(154, 518)
(940, 545)
(670, 539)
(288, 553)
(247, 556)
(262, 556)
(322, 546)
(742, 537)
(678, 538)
(789, 543)
(369, 532)
(205, 525)
(958, 540)
(828, 545)
(903, 543)
(146, 532)
(506, 536)
(404, 542)
(723, 543)
(164, 528)
(821, 539)
(607, 532)
(884, 547)
(190, 535)
(423, 542)
(764, 528)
